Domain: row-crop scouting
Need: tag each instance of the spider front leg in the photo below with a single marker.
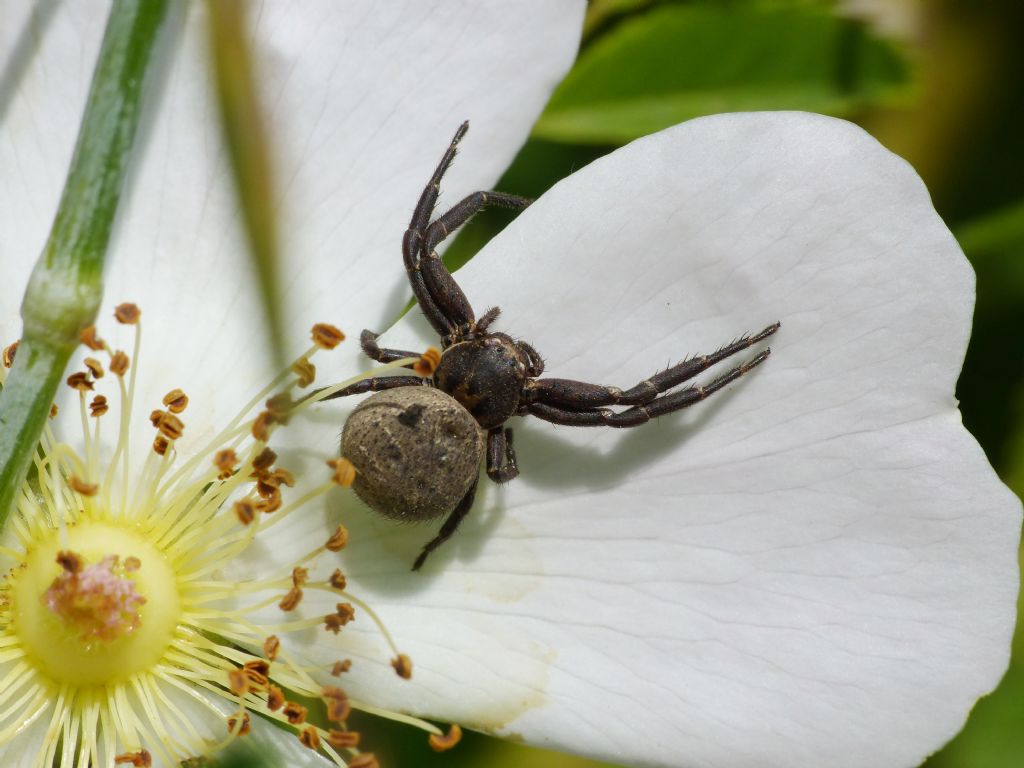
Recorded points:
(368, 343)
(375, 384)
(440, 297)
(451, 524)
(501, 455)
(641, 414)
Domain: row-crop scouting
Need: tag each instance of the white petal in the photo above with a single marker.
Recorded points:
(815, 567)
(362, 98)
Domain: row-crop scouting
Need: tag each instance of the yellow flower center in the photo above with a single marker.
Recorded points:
(101, 620)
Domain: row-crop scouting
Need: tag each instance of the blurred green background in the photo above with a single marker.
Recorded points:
(939, 83)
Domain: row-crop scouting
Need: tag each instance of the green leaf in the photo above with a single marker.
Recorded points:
(677, 62)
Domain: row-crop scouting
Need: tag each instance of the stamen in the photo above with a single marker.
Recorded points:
(305, 370)
(338, 539)
(403, 666)
(310, 738)
(341, 667)
(343, 739)
(119, 363)
(326, 336)
(364, 760)
(428, 362)
(127, 313)
(79, 381)
(8, 355)
(95, 367)
(175, 401)
(344, 471)
(89, 338)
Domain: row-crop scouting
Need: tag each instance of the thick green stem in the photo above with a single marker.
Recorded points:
(66, 285)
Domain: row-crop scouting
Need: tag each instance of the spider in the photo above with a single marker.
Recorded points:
(495, 376)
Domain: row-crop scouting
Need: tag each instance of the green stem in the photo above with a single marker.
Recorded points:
(66, 285)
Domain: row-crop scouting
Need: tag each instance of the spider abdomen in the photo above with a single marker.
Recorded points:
(486, 376)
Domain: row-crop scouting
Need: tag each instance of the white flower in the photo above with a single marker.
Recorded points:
(103, 651)
(815, 567)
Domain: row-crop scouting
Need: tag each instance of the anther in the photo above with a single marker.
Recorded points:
(310, 738)
(305, 370)
(9, 352)
(245, 511)
(275, 698)
(402, 665)
(264, 460)
(160, 445)
(300, 576)
(119, 363)
(127, 313)
(340, 667)
(338, 539)
(140, 759)
(95, 367)
(290, 601)
(175, 401)
(80, 381)
(238, 682)
(327, 336)
(428, 362)
(132, 564)
(170, 426)
(296, 713)
(338, 706)
(343, 739)
(344, 472)
(272, 504)
(98, 406)
(90, 339)
(225, 460)
(242, 727)
(261, 426)
(345, 612)
(338, 580)
(280, 406)
(447, 741)
(82, 487)
(364, 760)
(53, 411)
(271, 646)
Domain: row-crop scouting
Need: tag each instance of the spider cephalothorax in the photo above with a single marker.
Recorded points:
(490, 374)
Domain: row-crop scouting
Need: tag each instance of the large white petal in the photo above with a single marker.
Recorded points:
(362, 98)
(815, 567)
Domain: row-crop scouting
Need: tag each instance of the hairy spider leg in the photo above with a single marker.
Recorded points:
(451, 523)
(581, 395)
(501, 455)
(442, 301)
(368, 342)
(439, 281)
(641, 414)
(376, 384)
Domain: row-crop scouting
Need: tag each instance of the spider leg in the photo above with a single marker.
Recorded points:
(375, 384)
(580, 395)
(368, 342)
(412, 241)
(442, 301)
(446, 293)
(451, 524)
(501, 456)
(641, 414)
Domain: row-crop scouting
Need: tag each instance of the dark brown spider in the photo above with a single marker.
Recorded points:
(495, 376)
